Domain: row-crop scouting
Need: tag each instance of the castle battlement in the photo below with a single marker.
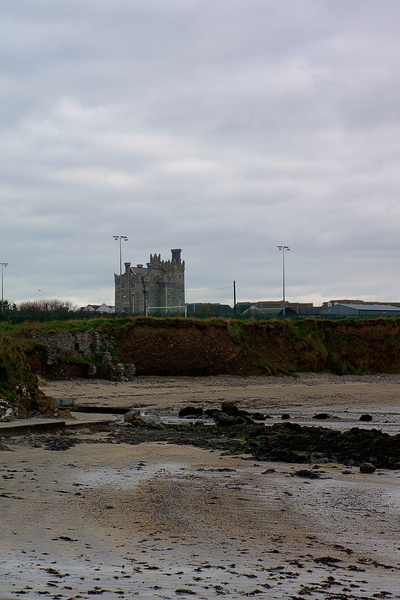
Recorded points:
(173, 264)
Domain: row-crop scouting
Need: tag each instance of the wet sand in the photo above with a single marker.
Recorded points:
(165, 394)
(344, 398)
(166, 521)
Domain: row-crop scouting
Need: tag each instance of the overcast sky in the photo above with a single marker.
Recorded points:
(222, 127)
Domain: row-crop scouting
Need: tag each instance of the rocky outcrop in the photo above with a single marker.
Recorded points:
(80, 343)
(282, 442)
(229, 414)
(291, 442)
(87, 353)
(135, 417)
(7, 410)
(119, 371)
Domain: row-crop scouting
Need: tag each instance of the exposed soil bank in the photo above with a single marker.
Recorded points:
(193, 347)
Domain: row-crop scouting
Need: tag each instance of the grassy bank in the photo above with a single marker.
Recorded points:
(174, 346)
(18, 383)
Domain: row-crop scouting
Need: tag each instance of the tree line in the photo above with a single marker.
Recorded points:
(42, 305)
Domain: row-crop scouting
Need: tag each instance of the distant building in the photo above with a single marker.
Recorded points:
(345, 301)
(98, 308)
(268, 313)
(275, 306)
(374, 303)
(157, 288)
(360, 310)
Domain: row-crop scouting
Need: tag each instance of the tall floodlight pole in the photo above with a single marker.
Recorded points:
(283, 248)
(120, 238)
(3, 264)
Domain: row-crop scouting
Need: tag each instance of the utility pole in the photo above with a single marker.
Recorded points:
(283, 248)
(3, 264)
(120, 238)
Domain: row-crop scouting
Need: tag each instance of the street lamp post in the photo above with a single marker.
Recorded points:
(120, 238)
(3, 264)
(283, 248)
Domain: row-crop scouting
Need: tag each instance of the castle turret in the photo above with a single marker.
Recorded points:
(176, 253)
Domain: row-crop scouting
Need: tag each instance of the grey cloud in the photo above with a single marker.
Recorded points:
(222, 128)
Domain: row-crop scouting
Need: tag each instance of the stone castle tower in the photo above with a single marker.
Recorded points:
(161, 283)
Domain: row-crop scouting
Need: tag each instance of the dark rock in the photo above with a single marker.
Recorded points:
(230, 408)
(240, 421)
(223, 419)
(3, 446)
(190, 411)
(63, 403)
(259, 416)
(244, 419)
(285, 416)
(365, 418)
(287, 427)
(59, 443)
(7, 410)
(327, 560)
(218, 470)
(134, 417)
(242, 416)
(306, 474)
(210, 412)
(131, 415)
(321, 416)
(367, 468)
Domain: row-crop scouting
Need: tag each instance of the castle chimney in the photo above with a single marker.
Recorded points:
(149, 268)
(176, 253)
(127, 267)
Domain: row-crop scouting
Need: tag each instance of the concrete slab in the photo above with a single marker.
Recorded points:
(38, 426)
(29, 426)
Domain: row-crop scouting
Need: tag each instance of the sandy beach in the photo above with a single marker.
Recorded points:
(158, 520)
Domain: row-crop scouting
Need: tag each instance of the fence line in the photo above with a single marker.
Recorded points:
(15, 317)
